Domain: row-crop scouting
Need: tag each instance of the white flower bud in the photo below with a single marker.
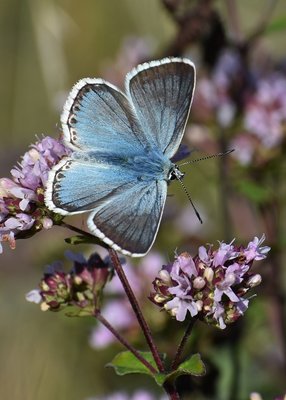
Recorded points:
(209, 274)
(199, 305)
(255, 396)
(164, 276)
(199, 282)
(255, 280)
(172, 311)
(77, 280)
(159, 298)
(44, 306)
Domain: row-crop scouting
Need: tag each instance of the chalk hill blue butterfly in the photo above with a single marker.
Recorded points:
(122, 148)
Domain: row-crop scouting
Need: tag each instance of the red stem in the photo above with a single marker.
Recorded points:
(136, 353)
(136, 308)
(182, 344)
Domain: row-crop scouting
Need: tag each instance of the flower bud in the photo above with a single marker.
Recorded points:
(199, 305)
(164, 275)
(159, 298)
(199, 282)
(209, 274)
(254, 280)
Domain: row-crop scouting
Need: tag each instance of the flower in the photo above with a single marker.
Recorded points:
(213, 285)
(81, 286)
(257, 396)
(22, 208)
(264, 118)
(138, 395)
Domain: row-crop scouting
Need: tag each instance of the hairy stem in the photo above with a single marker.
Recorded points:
(136, 308)
(182, 344)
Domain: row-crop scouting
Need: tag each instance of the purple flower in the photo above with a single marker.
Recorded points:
(254, 251)
(22, 208)
(212, 285)
(138, 395)
(81, 286)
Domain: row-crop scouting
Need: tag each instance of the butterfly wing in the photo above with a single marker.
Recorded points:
(129, 219)
(80, 183)
(162, 93)
(98, 116)
(125, 215)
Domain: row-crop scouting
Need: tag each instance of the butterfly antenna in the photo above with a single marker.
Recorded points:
(207, 157)
(190, 199)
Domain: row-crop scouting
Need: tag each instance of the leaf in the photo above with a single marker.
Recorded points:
(192, 366)
(254, 191)
(126, 363)
(81, 239)
(277, 25)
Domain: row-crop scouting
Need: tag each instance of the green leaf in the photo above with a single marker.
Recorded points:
(277, 25)
(254, 192)
(193, 366)
(126, 363)
(81, 239)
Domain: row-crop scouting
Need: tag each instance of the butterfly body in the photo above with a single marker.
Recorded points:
(122, 148)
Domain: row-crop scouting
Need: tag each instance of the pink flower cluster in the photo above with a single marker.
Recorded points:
(22, 208)
(211, 286)
(264, 120)
(80, 287)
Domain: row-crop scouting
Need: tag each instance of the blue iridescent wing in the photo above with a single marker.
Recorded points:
(126, 213)
(97, 116)
(162, 93)
(78, 184)
(129, 219)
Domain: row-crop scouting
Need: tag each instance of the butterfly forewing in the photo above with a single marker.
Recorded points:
(97, 115)
(162, 93)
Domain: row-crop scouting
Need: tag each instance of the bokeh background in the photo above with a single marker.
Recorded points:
(45, 47)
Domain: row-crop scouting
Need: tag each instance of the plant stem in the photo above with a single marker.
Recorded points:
(182, 344)
(136, 308)
(135, 352)
(234, 20)
(171, 390)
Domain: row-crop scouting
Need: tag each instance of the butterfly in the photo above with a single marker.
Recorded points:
(122, 145)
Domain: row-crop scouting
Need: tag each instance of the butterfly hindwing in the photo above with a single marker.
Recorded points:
(129, 220)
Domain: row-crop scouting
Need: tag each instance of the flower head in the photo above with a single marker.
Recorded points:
(22, 208)
(213, 285)
(81, 287)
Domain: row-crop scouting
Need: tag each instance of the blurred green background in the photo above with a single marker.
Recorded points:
(45, 47)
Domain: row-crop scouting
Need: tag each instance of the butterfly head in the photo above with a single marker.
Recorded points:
(175, 173)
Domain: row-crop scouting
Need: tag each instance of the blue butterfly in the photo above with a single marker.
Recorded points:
(122, 146)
